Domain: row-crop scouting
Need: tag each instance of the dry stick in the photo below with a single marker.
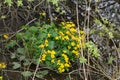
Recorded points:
(38, 4)
(117, 56)
(102, 70)
(88, 26)
(50, 15)
(81, 49)
(21, 29)
(37, 67)
(18, 31)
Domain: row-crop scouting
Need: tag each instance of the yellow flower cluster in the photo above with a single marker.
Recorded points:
(46, 42)
(65, 58)
(69, 36)
(44, 45)
(68, 24)
(62, 66)
(52, 53)
(73, 35)
(41, 46)
(2, 65)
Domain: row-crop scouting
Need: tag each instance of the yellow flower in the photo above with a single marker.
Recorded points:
(46, 42)
(73, 25)
(82, 32)
(68, 26)
(41, 46)
(52, 56)
(1, 78)
(49, 51)
(78, 45)
(6, 36)
(52, 61)
(63, 38)
(49, 35)
(61, 33)
(65, 57)
(68, 32)
(69, 47)
(73, 30)
(61, 65)
(56, 38)
(64, 51)
(75, 48)
(53, 52)
(61, 70)
(42, 13)
(63, 23)
(73, 43)
(58, 62)
(75, 52)
(2, 65)
(43, 57)
(66, 37)
(73, 37)
(67, 65)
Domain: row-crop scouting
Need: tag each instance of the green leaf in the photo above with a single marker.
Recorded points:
(46, 26)
(25, 27)
(95, 53)
(48, 63)
(22, 58)
(97, 21)
(11, 44)
(111, 60)
(53, 33)
(19, 35)
(82, 60)
(9, 2)
(55, 2)
(19, 3)
(27, 35)
(41, 74)
(48, 57)
(110, 35)
(41, 37)
(13, 56)
(21, 50)
(3, 16)
(33, 29)
(45, 72)
(52, 24)
(51, 44)
(26, 73)
(16, 65)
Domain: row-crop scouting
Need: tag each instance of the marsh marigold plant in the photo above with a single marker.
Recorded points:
(56, 46)
(63, 46)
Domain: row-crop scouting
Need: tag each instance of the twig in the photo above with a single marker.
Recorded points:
(50, 15)
(21, 29)
(38, 4)
(81, 48)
